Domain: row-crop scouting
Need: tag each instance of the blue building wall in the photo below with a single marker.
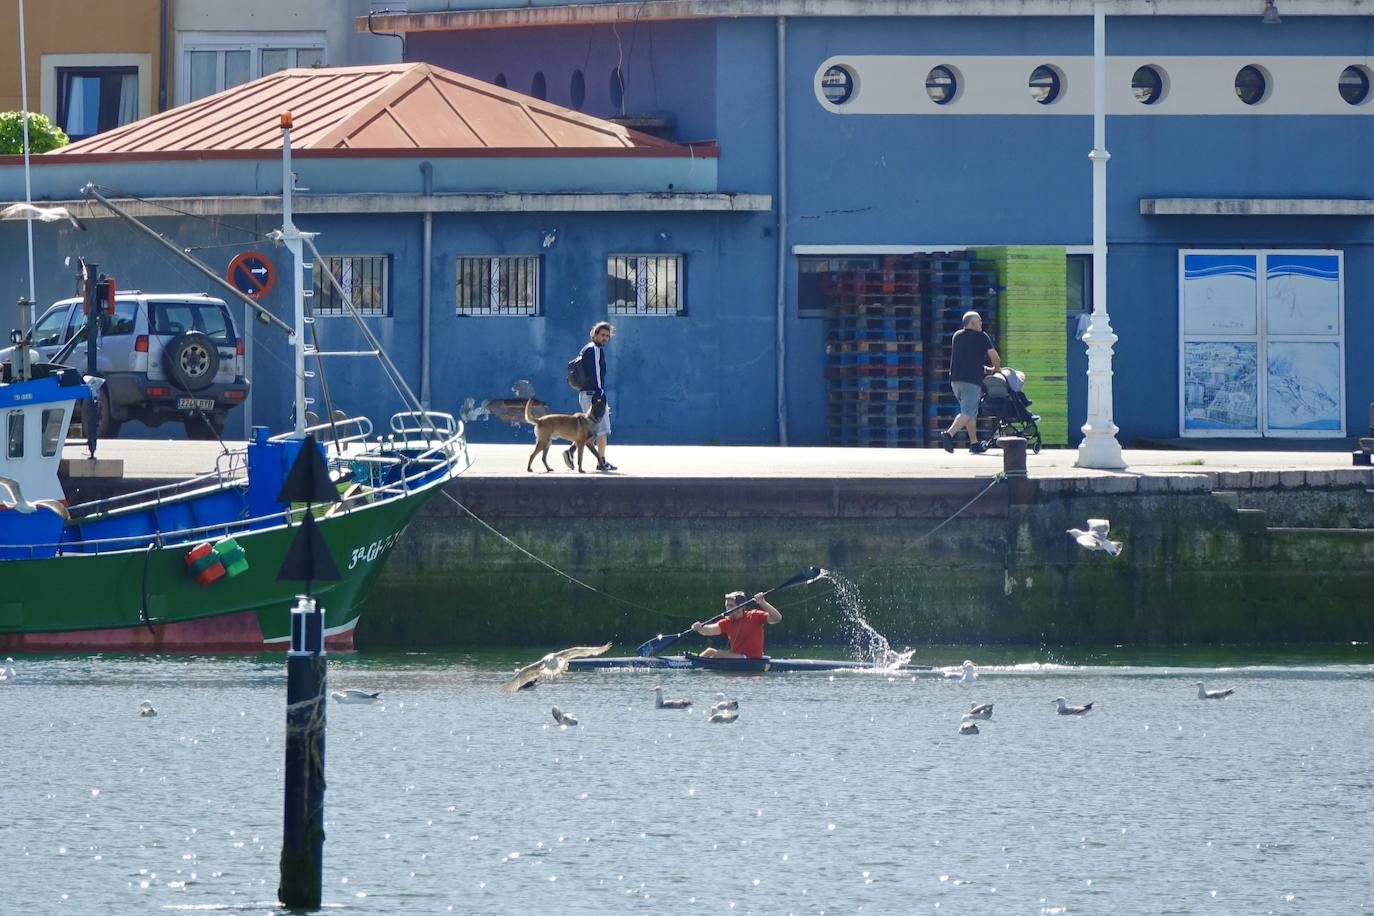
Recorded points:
(929, 180)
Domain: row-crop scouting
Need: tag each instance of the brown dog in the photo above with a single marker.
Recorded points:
(577, 428)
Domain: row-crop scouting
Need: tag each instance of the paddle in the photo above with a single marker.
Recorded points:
(661, 641)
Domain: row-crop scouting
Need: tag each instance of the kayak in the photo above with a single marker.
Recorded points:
(740, 665)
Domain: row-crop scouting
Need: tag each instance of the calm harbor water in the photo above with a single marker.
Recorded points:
(831, 794)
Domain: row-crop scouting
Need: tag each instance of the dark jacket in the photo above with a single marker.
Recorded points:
(594, 366)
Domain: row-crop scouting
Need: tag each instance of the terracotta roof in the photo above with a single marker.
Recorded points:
(392, 107)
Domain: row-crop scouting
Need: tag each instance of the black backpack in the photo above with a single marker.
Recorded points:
(577, 373)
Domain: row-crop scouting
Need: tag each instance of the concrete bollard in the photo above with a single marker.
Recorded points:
(302, 850)
(1014, 466)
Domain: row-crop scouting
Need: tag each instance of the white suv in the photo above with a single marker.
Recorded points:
(164, 357)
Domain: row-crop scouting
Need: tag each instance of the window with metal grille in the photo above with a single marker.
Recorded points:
(644, 284)
(501, 285)
(363, 277)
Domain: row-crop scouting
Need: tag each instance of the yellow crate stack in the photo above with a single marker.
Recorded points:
(1032, 335)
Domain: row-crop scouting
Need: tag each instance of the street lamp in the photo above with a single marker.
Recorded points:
(1099, 448)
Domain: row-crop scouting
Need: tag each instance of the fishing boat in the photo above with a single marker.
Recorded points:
(761, 665)
(193, 566)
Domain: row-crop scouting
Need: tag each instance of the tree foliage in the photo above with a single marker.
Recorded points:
(44, 135)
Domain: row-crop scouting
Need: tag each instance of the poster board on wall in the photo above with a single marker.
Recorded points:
(1262, 350)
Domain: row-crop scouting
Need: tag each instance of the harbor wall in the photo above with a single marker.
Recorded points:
(1216, 558)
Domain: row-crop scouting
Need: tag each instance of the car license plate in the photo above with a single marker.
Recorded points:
(195, 403)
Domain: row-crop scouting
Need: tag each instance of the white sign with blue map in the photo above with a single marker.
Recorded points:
(1279, 310)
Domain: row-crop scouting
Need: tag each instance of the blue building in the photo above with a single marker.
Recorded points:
(800, 138)
(884, 128)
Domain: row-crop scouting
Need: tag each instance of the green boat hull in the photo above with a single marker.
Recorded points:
(149, 601)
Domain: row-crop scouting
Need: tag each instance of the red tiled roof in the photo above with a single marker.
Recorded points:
(391, 107)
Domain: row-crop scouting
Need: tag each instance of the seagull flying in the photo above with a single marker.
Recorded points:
(549, 667)
(1205, 694)
(965, 675)
(354, 695)
(7, 672)
(1066, 710)
(13, 498)
(43, 214)
(1095, 538)
(660, 703)
(564, 719)
(968, 728)
(722, 716)
(146, 710)
(979, 711)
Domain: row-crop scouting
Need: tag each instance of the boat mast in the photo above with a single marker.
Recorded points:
(292, 238)
(21, 356)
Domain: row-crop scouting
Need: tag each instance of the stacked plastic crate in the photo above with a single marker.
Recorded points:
(955, 282)
(1033, 335)
(875, 374)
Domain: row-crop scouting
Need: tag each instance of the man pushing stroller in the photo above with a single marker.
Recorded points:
(971, 356)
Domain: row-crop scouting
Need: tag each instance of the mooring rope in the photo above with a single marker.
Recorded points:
(592, 588)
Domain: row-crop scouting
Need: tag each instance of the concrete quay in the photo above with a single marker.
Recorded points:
(1220, 546)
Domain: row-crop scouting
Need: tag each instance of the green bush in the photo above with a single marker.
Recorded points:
(44, 135)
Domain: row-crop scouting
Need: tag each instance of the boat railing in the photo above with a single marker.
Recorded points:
(335, 430)
(157, 496)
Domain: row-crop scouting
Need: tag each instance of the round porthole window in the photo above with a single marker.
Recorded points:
(837, 85)
(1252, 85)
(1148, 85)
(1354, 85)
(577, 89)
(500, 80)
(1046, 84)
(617, 88)
(538, 87)
(942, 84)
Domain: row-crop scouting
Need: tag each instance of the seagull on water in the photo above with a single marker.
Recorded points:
(564, 719)
(660, 703)
(146, 710)
(1095, 538)
(42, 214)
(724, 702)
(968, 728)
(965, 675)
(7, 675)
(549, 667)
(1205, 694)
(354, 695)
(1066, 710)
(13, 498)
(979, 711)
(722, 716)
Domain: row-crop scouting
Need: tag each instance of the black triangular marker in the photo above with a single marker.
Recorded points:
(308, 557)
(308, 481)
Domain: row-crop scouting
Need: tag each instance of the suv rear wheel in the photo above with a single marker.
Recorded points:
(191, 360)
(106, 426)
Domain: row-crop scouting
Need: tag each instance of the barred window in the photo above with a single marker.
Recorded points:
(503, 285)
(363, 277)
(644, 284)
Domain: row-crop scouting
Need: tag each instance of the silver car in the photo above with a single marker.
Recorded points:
(164, 357)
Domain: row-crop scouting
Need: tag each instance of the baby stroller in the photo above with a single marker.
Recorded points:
(1004, 402)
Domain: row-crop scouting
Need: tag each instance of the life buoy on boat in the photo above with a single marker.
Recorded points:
(204, 563)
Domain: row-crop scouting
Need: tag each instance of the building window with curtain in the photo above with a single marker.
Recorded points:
(94, 99)
(213, 62)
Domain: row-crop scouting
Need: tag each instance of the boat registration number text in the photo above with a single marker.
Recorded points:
(195, 403)
(370, 552)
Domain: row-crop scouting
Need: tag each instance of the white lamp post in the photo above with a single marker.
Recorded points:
(1099, 448)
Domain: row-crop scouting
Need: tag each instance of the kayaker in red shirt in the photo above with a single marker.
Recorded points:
(743, 625)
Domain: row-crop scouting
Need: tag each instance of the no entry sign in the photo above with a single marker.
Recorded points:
(252, 274)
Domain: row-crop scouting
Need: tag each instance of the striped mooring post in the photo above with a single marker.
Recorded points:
(302, 849)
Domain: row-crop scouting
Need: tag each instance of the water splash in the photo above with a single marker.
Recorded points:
(865, 639)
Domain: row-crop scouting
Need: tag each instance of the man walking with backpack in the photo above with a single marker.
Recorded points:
(592, 385)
